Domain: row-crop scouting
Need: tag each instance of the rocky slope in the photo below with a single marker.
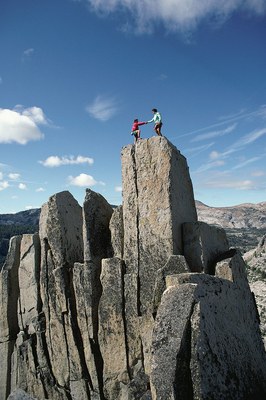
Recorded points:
(244, 224)
(256, 261)
(141, 302)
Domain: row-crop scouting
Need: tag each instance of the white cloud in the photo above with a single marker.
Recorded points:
(55, 161)
(29, 207)
(82, 180)
(177, 15)
(22, 186)
(102, 108)
(1, 176)
(40, 189)
(14, 176)
(4, 185)
(20, 125)
(118, 189)
(36, 114)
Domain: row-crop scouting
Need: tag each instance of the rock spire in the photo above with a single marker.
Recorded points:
(141, 301)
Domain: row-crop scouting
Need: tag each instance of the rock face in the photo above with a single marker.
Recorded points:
(201, 310)
(256, 261)
(141, 302)
(203, 244)
(157, 199)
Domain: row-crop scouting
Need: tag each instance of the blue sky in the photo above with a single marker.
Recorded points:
(75, 73)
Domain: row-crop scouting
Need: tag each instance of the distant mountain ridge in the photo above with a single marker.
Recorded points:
(247, 215)
(28, 217)
(245, 224)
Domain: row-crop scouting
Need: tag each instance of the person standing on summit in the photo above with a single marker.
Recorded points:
(157, 119)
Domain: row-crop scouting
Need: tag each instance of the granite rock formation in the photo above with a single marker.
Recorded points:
(140, 302)
(256, 261)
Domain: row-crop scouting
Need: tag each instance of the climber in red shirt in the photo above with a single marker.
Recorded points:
(135, 129)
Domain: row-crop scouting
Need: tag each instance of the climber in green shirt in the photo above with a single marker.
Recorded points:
(157, 119)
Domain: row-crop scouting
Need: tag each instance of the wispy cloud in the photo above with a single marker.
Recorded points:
(176, 15)
(231, 184)
(232, 116)
(258, 173)
(28, 52)
(56, 161)
(246, 162)
(259, 113)
(103, 108)
(235, 147)
(21, 124)
(40, 189)
(210, 165)
(249, 138)
(82, 180)
(118, 189)
(162, 77)
(213, 134)
(262, 111)
(194, 151)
